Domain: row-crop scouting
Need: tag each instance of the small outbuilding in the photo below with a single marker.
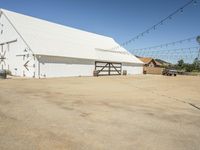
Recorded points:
(151, 66)
(150, 62)
(37, 48)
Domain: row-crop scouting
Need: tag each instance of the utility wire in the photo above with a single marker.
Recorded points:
(169, 17)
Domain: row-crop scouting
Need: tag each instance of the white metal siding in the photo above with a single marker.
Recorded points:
(13, 61)
(65, 70)
(46, 38)
(132, 68)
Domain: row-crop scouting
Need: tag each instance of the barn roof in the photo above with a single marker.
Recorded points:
(47, 38)
(146, 60)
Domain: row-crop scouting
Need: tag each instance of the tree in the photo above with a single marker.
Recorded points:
(194, 67)
(196, 64)
(181, 64)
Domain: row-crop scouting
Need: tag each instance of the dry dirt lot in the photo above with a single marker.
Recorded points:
(104, 113)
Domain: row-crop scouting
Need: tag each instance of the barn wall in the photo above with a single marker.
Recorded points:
(49, 70)
(132, 69)
(52, 66)
(21, 61)
(14, 61)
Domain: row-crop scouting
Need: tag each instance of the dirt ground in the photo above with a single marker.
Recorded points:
(103, 113)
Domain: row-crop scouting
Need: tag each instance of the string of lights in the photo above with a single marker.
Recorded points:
(155, 26)
(165, 45)
(171, 54)
(188, 54)
(167, 51)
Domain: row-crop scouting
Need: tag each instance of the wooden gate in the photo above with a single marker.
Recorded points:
(107, 68)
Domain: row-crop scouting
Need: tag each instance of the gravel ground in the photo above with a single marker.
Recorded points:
(103, 113)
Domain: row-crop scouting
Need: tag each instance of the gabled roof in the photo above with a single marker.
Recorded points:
(46, 38)
(158, 63)
(146, 60)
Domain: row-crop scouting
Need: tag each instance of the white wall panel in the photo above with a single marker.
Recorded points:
(65, 70)
(133, 69)
(13, 61)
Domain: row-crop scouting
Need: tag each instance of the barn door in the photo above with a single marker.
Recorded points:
(108, 68)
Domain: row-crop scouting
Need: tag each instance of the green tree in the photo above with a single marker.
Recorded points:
(196, 64)
(181, 64)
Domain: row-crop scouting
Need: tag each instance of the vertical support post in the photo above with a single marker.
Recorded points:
(39, 66)
(198, 58)
(109, 69)
(198, 55)
(121, 68)
(38, 69)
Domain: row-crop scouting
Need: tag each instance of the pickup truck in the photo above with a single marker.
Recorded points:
(170, 72)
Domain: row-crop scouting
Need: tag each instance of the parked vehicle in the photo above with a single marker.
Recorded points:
(170, 72)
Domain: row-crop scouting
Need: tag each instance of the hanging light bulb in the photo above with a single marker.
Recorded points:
(195, 2)
(181, 10)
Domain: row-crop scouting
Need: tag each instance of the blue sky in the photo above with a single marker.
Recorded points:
(120, 19)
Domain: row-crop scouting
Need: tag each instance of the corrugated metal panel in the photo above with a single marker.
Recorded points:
(46, 38)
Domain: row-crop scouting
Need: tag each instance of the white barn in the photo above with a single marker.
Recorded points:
(37, 48)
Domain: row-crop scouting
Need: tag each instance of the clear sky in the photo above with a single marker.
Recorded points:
(120, 19)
